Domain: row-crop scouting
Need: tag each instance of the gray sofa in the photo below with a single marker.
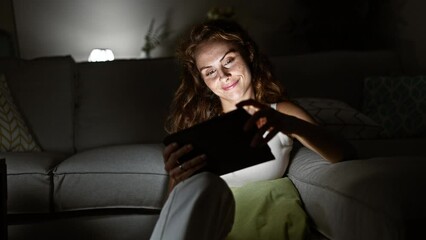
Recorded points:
(100, 174)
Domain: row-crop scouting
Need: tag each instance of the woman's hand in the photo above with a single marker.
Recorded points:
(180, 171)
(267, 120)
(295, 122)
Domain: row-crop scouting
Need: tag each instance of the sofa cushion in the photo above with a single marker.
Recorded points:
(43, 90)
(339, 117)
(14, 133)
(376, 198)
(125, 176)
(29, 181)
(397, 103)
(123, 101)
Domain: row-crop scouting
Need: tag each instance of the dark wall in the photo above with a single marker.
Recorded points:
(281, 27)
(8, 37)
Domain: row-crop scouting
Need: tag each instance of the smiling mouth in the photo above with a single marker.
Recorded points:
(230, 86)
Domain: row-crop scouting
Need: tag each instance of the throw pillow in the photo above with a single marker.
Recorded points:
(398, 104)
(339, 117)
(14, 134)
(269, 210)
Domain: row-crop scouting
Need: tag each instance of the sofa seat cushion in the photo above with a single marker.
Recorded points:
(121, 176)
(375, 198)
(29, 180)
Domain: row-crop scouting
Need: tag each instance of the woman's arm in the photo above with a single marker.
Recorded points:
(292, 120)
(330, 146)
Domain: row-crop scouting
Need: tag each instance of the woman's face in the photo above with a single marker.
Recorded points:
(225, 72)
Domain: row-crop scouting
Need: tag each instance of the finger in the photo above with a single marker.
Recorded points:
(174, 157)
(195, 163)
(186, 169)
(188, 172)
(254, 119)
(168, 150)
(258, 137)
(175, 173)
(270, 134)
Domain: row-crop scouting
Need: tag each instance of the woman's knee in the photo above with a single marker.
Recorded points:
(206, 185)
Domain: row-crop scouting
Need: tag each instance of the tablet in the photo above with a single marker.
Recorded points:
(224, 141)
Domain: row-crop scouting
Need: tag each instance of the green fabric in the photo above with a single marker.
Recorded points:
(268, 210)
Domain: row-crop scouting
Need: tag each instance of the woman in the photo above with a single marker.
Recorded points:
(222, 70)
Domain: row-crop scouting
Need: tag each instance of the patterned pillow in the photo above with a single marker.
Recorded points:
(339, 117)
(398, 104)
(14, 134)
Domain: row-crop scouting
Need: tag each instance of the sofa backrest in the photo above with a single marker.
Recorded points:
(123, 101)
(77, 106)
(43, 90)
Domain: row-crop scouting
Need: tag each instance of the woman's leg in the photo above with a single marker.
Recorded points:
(201, 207)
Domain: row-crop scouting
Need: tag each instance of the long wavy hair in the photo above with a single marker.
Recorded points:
(193, 101)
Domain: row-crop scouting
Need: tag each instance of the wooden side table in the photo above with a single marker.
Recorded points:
(3, 199)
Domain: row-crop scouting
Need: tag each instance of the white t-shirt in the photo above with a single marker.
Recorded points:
(281, 146)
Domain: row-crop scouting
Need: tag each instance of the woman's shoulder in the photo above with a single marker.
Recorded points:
(290, 108)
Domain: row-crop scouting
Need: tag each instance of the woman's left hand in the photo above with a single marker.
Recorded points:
(267, 120)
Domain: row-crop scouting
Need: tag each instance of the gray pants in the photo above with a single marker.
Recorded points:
(201, 207)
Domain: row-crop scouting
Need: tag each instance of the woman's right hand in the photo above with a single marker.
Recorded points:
(178, 171)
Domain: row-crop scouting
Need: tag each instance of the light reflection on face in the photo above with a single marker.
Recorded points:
(225, 72)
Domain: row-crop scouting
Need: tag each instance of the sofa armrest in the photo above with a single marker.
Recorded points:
(362, 199)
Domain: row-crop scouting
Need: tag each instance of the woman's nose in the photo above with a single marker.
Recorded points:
(224, 74)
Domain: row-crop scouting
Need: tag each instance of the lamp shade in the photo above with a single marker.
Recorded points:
(101, 55)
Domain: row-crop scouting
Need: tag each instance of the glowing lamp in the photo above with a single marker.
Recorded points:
(101, 55)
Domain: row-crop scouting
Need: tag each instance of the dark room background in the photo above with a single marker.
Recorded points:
(281, 27)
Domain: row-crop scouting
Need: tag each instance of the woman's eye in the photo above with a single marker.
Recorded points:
(228, 61)
(210, 72)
